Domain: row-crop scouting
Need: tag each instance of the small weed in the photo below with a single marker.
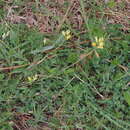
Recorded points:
(55, 75)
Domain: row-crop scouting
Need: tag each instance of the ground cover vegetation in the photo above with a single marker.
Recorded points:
(64, 64)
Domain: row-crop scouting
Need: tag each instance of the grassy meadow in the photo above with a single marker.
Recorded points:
(64, 65)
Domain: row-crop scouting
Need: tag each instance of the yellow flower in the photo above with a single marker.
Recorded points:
(45, 40)
(32, 79)
(68, 37)
(5, 35)
(67, 34)
(94, 44)
(99, 42)
(63, 33)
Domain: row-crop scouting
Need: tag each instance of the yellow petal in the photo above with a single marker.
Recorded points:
(101, 44)
(45, 40)
(35, 77)
(101, 47)
(101, 39)
(63, 33)
(68, 37)
(29, 79)
(96, 39)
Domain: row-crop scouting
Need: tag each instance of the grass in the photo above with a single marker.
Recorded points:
(48, 81)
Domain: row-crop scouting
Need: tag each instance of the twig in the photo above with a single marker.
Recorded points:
(20, 66)
(12, 67)
(121, 66)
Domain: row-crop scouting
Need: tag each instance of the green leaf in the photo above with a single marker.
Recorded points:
(46, 48)
(72, 58)
(111, 4)
(2, 76)
(127, 97)
(14, 38)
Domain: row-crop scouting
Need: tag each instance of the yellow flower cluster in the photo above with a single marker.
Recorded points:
(32, 79)
(67, 34)
(99, 42)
